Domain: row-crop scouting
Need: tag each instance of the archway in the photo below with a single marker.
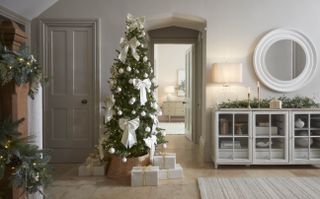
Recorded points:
(178, 28)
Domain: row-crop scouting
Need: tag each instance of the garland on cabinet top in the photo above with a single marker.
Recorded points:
(26, 165)
(131, 120)
(21, 67)
(295, 102)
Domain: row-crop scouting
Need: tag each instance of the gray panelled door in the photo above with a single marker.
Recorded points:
(69, 99)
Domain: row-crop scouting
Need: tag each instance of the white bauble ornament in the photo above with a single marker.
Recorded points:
(143, 33)
(149, 64)
(164, 146)
(118, 89)
(121, 70)
(112, 150)
(145, 59)
(128, 68)
(148, 129)
(112, 99)
(119, 112)
(124, 160)
(154, 80)
(145, 75)
(164, 133)
(155, 106)
(160, 113)
(133, 112)
(137, 71)
(132, 100)
(142, 45)
(143, 113)
(130, 81)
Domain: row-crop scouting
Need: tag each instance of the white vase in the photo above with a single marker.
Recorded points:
(299, 123)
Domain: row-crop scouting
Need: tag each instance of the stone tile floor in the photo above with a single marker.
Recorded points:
(68, 185)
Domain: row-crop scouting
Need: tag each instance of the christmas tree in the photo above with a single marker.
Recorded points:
(132, 110)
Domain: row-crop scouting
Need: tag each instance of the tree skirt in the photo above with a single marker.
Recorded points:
(173, 128)
(260, 188)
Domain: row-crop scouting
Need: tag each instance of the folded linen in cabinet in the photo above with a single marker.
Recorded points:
(145, 176)
(171, 173)
(165, 161)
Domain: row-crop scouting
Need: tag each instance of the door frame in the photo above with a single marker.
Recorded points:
(198, 76)
(45, 23)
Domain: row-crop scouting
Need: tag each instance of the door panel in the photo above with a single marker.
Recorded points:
(70, 102)
(188, 96)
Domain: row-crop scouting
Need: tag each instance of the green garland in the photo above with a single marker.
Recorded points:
(295, 102)
(21, 67)
(27, 164)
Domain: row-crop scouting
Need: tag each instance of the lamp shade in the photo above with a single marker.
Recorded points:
(169, 89)
(227, 73)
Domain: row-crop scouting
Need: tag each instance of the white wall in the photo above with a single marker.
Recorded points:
(233, 30)
(168, 59)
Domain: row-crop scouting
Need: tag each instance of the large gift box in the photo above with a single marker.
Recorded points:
(92, 167)
(171, 173)
(165, 160)
(145, 176)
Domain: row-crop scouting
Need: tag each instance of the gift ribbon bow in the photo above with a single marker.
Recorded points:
(151, 142)
(143, 86)
(135, 22)
(133, 44)
(129, 128)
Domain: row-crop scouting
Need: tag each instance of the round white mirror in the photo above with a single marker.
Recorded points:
(285, 60)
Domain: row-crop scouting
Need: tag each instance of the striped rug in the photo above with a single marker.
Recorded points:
(260, 188)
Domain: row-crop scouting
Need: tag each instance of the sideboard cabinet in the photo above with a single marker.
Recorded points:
(266, 136)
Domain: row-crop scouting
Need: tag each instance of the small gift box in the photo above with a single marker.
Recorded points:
(84, 170)
(165, 160)
(145, 176)
(171, 173)
(275, 104)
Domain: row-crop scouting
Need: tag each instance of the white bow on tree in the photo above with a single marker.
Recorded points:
(135, 22)
(155, 124)
(129, 127)
(133, 44)
(151, 142)
(143, 86)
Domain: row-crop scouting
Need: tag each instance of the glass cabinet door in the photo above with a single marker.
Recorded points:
(270, 136)
(306, 136)
(234, 137)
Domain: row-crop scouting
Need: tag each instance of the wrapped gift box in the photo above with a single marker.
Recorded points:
(145, 176)
(165, 161)
(96, 170)
(171, 173)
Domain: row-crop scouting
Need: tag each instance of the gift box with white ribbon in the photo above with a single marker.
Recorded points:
(171, 173)
(165, 160)
(145, 176)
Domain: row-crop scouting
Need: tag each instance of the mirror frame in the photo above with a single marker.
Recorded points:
(285, 85)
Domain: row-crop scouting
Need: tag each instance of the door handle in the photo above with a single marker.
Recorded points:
(84, 101)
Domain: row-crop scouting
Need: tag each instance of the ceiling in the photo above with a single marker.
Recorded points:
(27, 8)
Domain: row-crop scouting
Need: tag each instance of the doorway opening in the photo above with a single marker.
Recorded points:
(173, 68)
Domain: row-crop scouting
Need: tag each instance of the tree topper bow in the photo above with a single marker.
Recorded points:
(125, 44)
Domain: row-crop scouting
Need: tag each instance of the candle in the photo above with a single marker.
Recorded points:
(249, 92)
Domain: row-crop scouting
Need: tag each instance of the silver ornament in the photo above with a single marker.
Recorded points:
(145, 75)
(128, 69)
(132, 100)
(120, 70)
(145, 59)
(118, 89)
(147, 129)
(119, 112)
(133, 112)
(137, 71)
(124, 160)
(142, 45)
(143, 113)
(130, 81)
(112, 150)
